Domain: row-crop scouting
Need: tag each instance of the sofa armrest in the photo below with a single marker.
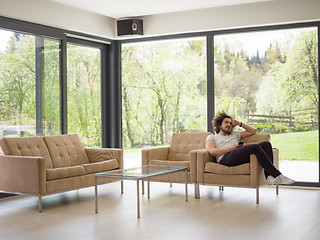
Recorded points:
(158, 153)
(102, 154)
(257, 177)
(202, 157)
(22, 174)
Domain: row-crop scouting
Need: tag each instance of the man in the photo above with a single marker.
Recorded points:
(224, 146)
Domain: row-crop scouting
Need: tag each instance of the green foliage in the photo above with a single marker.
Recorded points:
(84, 108)
(271, 127)
(232, 106)
(301, 128)
(163, 90)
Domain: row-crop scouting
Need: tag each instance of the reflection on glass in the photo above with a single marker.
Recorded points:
(270, 80)
(84, 94)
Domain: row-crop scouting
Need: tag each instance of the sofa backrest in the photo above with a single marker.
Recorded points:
(183, 143)
(26, 146)
(66, 150)
(257, 138)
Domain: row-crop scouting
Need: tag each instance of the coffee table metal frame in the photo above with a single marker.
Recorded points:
(139, 173)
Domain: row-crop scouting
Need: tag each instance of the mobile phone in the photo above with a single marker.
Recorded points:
(240, 143)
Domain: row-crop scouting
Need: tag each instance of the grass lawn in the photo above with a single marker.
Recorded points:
(297, 145)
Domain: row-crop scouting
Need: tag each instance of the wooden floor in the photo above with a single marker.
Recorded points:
(231, 214)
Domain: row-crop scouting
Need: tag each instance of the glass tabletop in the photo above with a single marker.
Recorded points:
(141, 172)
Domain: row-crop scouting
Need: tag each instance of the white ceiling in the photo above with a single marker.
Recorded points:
(136, 8)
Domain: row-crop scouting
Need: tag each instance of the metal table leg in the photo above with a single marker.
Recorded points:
(96, 193)
(148, 188)
(138, 200)
(142, 182)
(186, 185)
(121, 186)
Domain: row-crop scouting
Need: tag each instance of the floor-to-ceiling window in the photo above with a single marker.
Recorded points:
(270, 80)
(84, 93)
(164, 90)
(29, 70)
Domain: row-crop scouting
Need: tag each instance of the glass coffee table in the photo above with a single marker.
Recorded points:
(139, 173)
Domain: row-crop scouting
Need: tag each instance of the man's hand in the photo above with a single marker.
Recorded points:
(235, 123)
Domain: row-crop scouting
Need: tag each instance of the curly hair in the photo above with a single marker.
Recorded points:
(217, 120)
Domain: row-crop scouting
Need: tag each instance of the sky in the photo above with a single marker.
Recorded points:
(4, 37)
(253, 41)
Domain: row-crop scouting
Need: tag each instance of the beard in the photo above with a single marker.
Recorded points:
(227, 130)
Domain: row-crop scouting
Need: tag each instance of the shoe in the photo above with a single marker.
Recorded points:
(270, 180)
(281, 179)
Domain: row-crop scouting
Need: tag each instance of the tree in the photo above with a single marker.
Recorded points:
(18, 80)
(163, 90)
(299, 76)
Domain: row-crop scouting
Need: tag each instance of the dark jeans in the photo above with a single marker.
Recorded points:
(241, 155)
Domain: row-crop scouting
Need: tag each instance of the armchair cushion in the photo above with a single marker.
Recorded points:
(212, 167)
(171, 163)
(256, 138)
(183, 143)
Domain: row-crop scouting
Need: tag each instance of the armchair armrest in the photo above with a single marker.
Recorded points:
(202, 157)
(102, 154)
(22, 174)
(158, 153)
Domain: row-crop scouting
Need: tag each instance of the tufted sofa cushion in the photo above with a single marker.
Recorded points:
(66, 150)
(26, 146)
(183, 143)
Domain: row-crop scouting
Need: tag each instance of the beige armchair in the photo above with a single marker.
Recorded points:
(251, 175)
(177, 154)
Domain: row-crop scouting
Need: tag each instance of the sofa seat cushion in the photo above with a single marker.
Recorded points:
(66, 150)
(216, 168)
(65, 172)
(101, 166)
(26, 146)
(171, 163)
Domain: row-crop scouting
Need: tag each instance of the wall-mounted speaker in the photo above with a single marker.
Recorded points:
(130, 27)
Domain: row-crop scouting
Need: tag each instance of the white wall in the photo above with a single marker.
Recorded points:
(248, 15)
(265, 13)
(57, 15)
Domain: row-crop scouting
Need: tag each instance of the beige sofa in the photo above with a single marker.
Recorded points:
(52, 164)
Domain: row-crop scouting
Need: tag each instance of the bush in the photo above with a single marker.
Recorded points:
(301, 128)
(271, 127)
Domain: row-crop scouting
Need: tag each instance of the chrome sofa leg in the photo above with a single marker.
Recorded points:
(40, 204)
(277, 189)
(195, 191)
(198, 191)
